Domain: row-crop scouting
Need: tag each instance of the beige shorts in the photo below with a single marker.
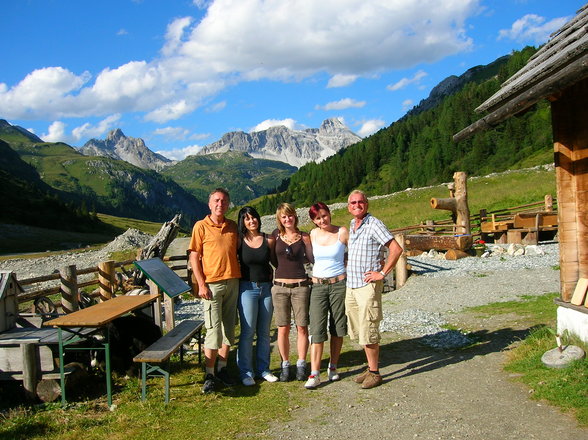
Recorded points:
(363, 307)
(220, 313)
(291, 299)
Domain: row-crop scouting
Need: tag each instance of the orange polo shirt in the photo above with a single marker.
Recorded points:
(217, 245)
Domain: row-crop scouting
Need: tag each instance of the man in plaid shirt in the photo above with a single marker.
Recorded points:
(368, 239)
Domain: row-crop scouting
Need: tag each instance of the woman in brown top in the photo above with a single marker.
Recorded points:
(291, 289)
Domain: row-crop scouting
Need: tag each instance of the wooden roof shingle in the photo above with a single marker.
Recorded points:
(560, 63)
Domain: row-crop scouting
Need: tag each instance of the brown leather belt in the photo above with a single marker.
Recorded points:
(329, 280)
(293, 285)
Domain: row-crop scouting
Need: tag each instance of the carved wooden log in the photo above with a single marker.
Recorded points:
(455, 254)
(438, 242)
(457, 203)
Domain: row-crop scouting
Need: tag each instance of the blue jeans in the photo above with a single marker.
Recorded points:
(255, 313)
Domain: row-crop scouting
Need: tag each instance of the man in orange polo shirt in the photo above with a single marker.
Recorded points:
(213, 257)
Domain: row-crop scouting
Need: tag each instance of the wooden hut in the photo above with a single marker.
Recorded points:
(558, 72)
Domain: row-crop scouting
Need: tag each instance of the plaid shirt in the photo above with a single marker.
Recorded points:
(365, 249)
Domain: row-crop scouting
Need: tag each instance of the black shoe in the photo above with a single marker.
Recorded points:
(224, 377)
(285, 374)
(209, 384)
(301, 372)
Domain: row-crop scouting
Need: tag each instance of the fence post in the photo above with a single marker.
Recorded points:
(153, 288)
(401, 271)
(106, 279)
(69, 288)
(548, 203)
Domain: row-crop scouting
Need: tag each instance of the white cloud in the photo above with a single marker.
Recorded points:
(288, 123)
(404, 82)
(341, 80)
(171, 111)
(532, 28)
(174, 133)
(200, 58)
(407, 104)
(342, 104)
(215, 108)
(122, 31)
(370, 127)
(57, 130)
(180, 153)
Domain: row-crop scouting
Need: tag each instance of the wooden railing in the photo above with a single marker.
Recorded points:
(105, 280)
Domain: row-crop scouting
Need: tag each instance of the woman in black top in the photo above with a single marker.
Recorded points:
(291, 290)
(255, 299)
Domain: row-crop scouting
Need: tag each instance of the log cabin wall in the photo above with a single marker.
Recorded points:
(570, 134)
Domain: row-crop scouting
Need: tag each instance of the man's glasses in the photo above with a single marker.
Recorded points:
(357, 202)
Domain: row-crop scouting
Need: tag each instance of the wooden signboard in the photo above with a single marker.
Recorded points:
(165, 278)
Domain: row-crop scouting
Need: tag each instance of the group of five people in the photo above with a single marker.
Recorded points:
(237, 267)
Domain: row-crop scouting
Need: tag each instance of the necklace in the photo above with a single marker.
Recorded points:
(287, 240)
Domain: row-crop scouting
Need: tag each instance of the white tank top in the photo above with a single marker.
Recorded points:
(328, 260)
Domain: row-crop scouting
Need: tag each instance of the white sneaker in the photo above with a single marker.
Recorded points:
(248, 381)
(270, 377)
(333, 375)
(312, 382)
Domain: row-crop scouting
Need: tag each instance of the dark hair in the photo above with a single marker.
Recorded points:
(314, 209)
(244, 212)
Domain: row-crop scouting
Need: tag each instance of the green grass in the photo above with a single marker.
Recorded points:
(537, 310)
(565, 388)
(189, 415)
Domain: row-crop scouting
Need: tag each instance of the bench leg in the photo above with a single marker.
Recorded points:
(153, 371)
(143, 381)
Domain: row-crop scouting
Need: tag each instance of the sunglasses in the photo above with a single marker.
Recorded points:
(289, 252)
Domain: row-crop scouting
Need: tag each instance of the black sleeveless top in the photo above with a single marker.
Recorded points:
(255, 262)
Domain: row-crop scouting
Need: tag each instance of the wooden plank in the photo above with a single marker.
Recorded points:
(529, 219)
(11, 359)
(102, 313)
(580, 292)
(163, 348)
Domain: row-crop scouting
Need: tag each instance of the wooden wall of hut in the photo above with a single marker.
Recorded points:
(570, 132)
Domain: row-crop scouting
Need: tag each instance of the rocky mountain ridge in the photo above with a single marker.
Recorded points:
(295, 147)
(121, 147)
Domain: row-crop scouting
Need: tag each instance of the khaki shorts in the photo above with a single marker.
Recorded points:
(363, 307)
(220, 313)
(288, 299)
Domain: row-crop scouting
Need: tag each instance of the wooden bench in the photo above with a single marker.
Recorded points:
(161, 350)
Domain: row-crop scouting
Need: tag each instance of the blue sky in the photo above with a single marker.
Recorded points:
(181, 73)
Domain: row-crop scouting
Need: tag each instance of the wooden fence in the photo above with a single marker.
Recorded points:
(105, 281)
(440, 227)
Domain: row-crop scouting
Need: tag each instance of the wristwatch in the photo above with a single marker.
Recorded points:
(383, 273)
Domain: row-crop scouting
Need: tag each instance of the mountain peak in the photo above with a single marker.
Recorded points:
(132, 150)
(115, 135)
(294, 147)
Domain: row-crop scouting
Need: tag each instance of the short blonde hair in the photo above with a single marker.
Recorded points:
(357, 191)
(285, 209)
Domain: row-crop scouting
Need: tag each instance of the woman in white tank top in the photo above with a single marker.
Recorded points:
(327, 299)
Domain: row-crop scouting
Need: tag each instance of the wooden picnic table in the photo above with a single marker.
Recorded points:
(96, 317)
